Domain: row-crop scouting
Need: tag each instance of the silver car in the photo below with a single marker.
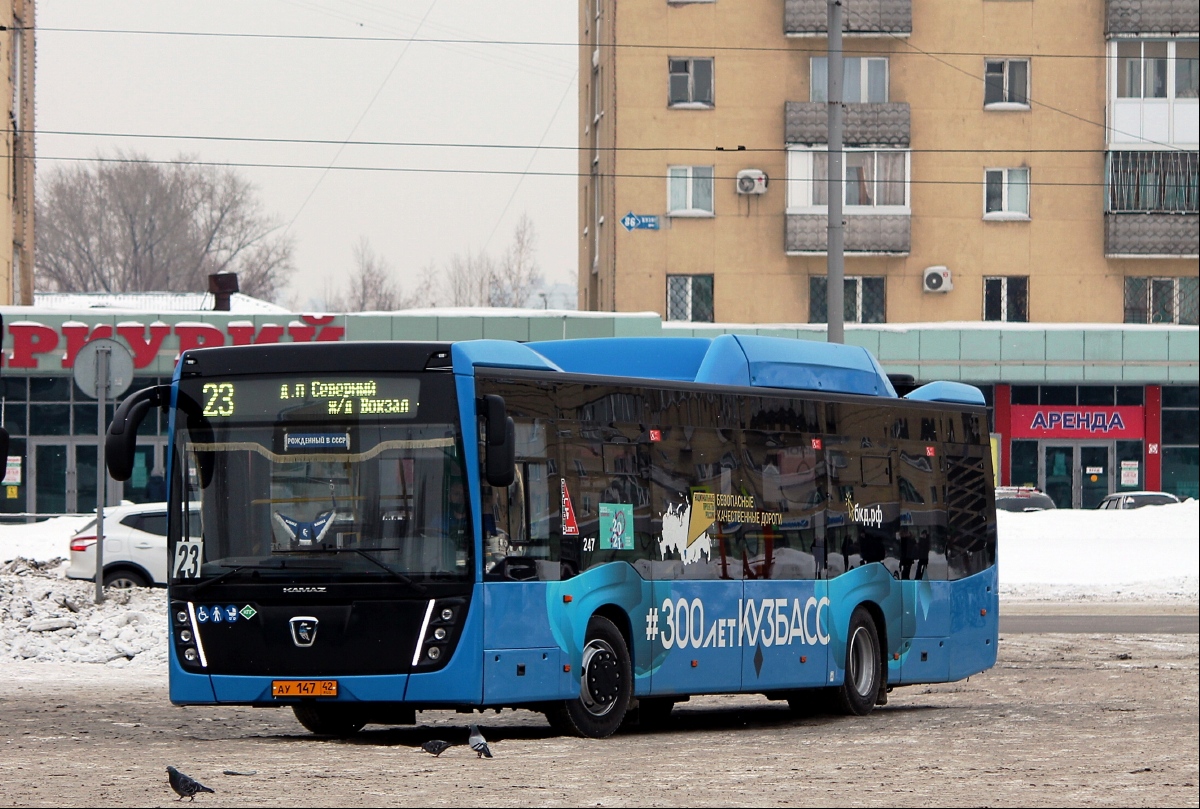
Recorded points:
(1124, 500)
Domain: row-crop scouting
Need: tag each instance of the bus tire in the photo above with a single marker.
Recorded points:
(605, 685)
(328, 719)
(864, 666)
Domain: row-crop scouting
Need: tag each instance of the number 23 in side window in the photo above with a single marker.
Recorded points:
(187, 560)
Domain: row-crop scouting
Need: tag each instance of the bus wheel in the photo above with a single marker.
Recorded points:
(327, 719)
(864, 666)
(605, 685)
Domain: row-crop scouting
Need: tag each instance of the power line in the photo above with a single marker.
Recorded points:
(521, 42)
(481, 172)
(357, 123)
(523, 147)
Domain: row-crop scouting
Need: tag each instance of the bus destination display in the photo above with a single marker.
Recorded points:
(310, 398)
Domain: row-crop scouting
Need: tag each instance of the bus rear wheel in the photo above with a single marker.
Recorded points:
(864, 666)
(605, 685)
(328, 719)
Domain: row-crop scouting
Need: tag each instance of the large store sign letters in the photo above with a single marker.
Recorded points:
(1048, 421)
(31, 340)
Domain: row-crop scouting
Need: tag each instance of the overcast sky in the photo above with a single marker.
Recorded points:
(103, 88)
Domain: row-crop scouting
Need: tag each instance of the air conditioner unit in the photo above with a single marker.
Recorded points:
(751, 181)
(937, 279)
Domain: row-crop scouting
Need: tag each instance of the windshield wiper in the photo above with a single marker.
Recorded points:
(396, 573)
(202, 585)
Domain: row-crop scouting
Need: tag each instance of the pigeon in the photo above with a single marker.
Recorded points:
(435, 747)
(478, 743)
(185, 786)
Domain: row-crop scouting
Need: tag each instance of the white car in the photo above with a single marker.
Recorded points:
(135, 547)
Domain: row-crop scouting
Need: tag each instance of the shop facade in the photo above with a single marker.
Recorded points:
(1079, 411)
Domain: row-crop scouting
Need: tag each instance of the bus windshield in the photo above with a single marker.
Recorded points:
(347, 477)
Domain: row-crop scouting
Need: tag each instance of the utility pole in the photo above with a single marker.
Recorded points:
(835, 267)
(21, 116)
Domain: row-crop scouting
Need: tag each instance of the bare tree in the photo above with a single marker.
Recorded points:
(468, 279)
(517, 276)
(373, 287)
(130, 225)
(477, 279)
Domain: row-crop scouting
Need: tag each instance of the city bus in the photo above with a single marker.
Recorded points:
(594, 529)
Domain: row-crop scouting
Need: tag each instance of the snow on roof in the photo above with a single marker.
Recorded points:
(152, 302)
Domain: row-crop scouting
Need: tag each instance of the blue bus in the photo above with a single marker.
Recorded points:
(594, 529)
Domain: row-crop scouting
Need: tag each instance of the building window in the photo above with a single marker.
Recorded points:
(864, 80)
(1006, 299)
(1164, 182)
(690, 298)
(1006, 194)
(876, 181)
(1162, 300)
(1153, 91)
(1181, 440)
(863, 299)
(691, 83)
(690, 191)
(1006, 83)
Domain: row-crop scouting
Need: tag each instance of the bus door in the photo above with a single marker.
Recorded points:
(785, 609)
(693, 623)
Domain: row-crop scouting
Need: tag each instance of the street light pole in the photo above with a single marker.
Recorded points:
(835, 267)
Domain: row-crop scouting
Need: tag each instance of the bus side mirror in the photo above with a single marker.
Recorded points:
(500, 443)
(120, 442)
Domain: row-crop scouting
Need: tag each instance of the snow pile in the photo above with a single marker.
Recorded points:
(50, 619)
(1145, 554)
(41, 541)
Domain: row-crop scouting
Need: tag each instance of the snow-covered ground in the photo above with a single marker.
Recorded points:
(1149, 555)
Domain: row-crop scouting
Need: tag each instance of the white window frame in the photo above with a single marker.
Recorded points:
(689, 209)
(688, 298)
(691, 103)
(1130, 117)
(1004, 279)
(1000, 106)
(818, 92)
(800, 184)
(1005, 214)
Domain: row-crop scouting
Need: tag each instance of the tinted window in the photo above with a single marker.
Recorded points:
(1180, 427)
(1024, 394)
(1130, 395)
(1058, 395)
(1095, 394)
(155, 523)
(1178, 396)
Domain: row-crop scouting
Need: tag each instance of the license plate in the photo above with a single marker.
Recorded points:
(304, 688)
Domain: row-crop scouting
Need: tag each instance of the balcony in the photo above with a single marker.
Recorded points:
(1150, 17)
(1162, 235)
(810, 18)
(807, 122)
(887, 234)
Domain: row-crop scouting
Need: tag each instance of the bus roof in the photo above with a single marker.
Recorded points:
(730, 359)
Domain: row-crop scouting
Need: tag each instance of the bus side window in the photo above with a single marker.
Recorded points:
(517, 521)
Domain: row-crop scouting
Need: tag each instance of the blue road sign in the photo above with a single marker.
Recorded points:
(633, 221)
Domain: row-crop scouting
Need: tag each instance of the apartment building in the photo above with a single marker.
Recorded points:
(1012, 168)
(1006, 160)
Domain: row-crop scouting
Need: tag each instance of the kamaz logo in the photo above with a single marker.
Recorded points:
(303, 589)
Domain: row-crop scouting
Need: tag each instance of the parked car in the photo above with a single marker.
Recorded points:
(1123, 500)
(1022, 498)
(135, 547)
